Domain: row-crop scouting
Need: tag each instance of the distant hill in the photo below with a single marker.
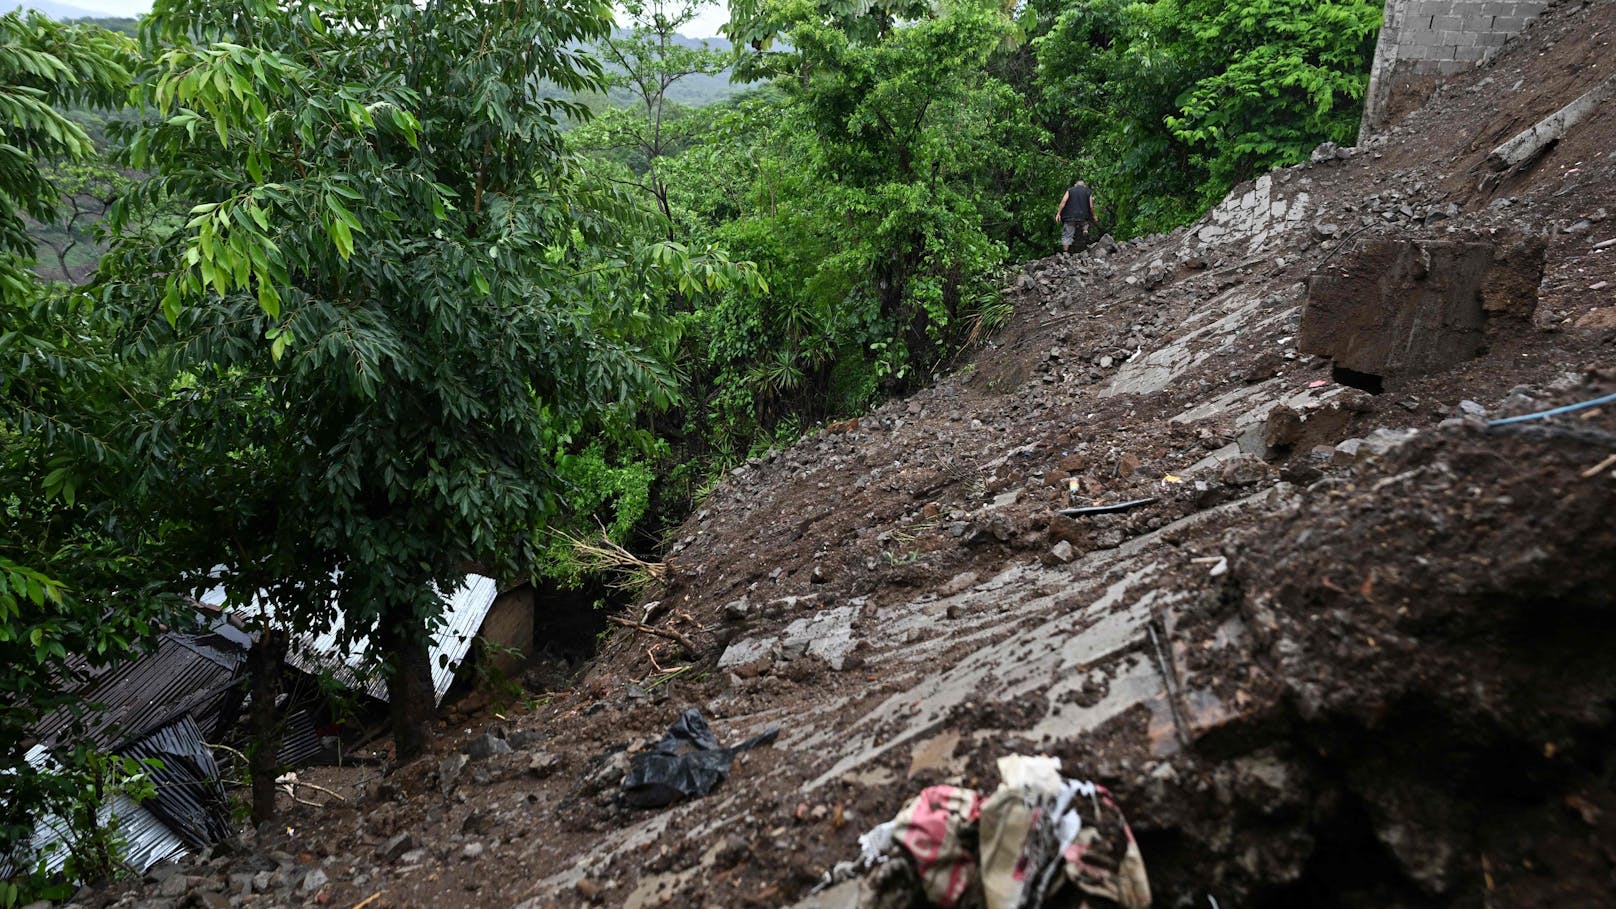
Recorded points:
(52, 9)
(693, 91)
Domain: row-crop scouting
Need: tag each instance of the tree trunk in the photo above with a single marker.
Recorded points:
(411, 701)
(264, 663)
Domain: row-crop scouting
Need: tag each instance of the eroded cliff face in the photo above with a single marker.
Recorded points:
(1353, 651)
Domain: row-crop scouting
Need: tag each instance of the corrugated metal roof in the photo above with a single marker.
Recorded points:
(186, 673)
(300, 741)
(321, 653)
(147, 840)
(190, 799)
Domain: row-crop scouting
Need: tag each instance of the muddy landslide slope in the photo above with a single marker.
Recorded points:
(1356, 650)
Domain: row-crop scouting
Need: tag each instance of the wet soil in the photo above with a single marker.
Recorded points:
(1356, 652)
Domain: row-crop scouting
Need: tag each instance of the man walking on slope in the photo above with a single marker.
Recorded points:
(1076, 216)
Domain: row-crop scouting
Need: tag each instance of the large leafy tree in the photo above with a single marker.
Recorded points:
(390, 304)
(916, 151)
(1279, 77)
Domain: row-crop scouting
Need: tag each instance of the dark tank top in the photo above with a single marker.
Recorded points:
(1077, 204)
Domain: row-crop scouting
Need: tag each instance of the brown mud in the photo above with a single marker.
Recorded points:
(1357, 652)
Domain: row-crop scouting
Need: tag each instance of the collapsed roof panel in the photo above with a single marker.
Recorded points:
(323, 653)
(186, 673)
(190, 799)
(147, 840)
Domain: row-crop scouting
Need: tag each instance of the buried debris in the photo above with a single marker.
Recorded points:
(1106, 509)
(686, 763)
(1039, 841)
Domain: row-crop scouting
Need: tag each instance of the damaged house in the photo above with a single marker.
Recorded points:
(181, 700)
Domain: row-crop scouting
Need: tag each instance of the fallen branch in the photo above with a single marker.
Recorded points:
(368, 900)
(606, 557)
(290, 783)
(1595, 470)
(669, 675)
(681, 639)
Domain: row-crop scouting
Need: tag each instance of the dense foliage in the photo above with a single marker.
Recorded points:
(383, 304)
(76, 589)
(1166, 104)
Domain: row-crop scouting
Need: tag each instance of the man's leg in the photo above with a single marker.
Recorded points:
(1068, 228)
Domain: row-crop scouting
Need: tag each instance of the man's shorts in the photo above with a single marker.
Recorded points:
(1071, 229)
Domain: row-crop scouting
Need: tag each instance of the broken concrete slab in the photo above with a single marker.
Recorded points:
(828, 635)
(1530, 143)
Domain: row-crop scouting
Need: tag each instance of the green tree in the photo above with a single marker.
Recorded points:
(1167, 104)
(393, 303)
(915, 147)
(44, 67)
(1106, 82)
(1282, 76)
(75, 592)
(649, 61)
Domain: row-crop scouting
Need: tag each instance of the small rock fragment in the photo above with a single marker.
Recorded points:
(486, 746)
(313, 881)
(389, 851)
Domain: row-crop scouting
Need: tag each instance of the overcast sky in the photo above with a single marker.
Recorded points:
(705, 25)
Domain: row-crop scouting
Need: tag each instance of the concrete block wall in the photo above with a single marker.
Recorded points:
(1423, 41)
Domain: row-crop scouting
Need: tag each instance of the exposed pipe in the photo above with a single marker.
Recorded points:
(1558, 410)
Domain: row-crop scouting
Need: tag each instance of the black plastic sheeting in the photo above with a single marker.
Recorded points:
(190, 800)
(687, 762)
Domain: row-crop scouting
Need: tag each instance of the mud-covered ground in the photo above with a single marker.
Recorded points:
(1356, 652)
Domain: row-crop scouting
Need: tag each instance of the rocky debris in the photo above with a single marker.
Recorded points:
(1356, 620)
(449, 770)
(394, 849)
(486, 746)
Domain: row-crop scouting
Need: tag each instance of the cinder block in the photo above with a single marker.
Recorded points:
(1509, 25)
(1470, 54)
(1422, 14)
(1493, 39)
(1448, 38)
(1448, 23)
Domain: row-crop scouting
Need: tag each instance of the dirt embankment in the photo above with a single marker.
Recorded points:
(1356, 652)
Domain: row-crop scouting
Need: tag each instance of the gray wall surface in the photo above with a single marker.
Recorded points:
(1422, 41)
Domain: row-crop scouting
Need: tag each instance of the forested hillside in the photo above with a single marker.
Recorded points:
(383, 299)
